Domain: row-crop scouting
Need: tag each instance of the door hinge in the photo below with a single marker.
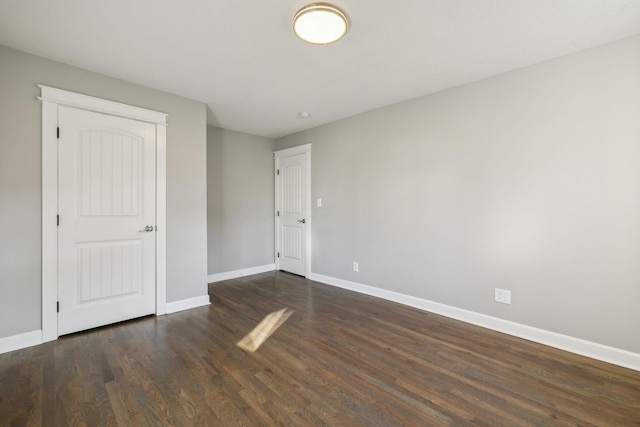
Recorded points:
(278, 254)
(278, 213)
(57, 219)
(58, 132)
(278, 172)
(58, 307)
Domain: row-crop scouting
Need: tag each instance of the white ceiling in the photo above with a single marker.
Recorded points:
(242, 59)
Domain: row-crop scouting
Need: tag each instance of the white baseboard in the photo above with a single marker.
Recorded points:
(590, 349)
(29, 339)
(239, 273)
(17, 342)
(186, 304)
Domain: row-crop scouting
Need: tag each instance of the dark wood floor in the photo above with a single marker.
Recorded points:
(341, 359)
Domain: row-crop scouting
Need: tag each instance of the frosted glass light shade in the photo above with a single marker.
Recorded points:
(320, 23)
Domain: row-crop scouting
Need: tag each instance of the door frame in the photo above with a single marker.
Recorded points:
(52, 98)
(277, 155)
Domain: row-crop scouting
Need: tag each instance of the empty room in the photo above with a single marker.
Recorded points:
(352, 213)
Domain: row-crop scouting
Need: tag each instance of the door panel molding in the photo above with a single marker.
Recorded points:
(277, 155)
(52, 99)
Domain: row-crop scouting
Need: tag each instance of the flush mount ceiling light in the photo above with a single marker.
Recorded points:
(320, 23)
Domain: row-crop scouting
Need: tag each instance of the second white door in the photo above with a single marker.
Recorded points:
(292, 213)
(106, 234)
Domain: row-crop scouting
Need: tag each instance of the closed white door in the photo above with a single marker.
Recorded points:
(106, 233)
(292, 215)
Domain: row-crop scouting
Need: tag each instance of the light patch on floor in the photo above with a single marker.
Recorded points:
(260, 333)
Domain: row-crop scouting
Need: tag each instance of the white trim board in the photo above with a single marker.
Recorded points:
(186, 304)
(30, 339)
(579, 346)
(20, 341)
(91, 103)
(52, 98)
(293, 151)
(227, 275)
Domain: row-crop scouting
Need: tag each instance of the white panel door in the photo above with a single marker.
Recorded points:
(106, 235)
(292, 209)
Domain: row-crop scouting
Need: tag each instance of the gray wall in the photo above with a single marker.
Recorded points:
(528, 181)
(20, 181)
(240, 200)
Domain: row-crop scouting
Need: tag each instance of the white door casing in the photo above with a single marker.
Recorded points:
(52, 102)
(106, 235)
(293, 209)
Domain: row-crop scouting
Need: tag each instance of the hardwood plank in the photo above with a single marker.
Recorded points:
(341, 359)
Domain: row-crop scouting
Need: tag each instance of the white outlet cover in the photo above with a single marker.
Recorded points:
(319, 203)
(503, 296)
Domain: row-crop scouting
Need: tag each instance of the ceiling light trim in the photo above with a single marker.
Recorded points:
(320, 33)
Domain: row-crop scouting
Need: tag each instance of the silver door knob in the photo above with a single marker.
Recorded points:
(302, 221)
(147, 229)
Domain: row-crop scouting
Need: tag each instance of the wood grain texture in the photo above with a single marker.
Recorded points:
(341, 359)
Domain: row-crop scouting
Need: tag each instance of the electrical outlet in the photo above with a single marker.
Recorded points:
(356, 267)
(503, 296)
(319, 203)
